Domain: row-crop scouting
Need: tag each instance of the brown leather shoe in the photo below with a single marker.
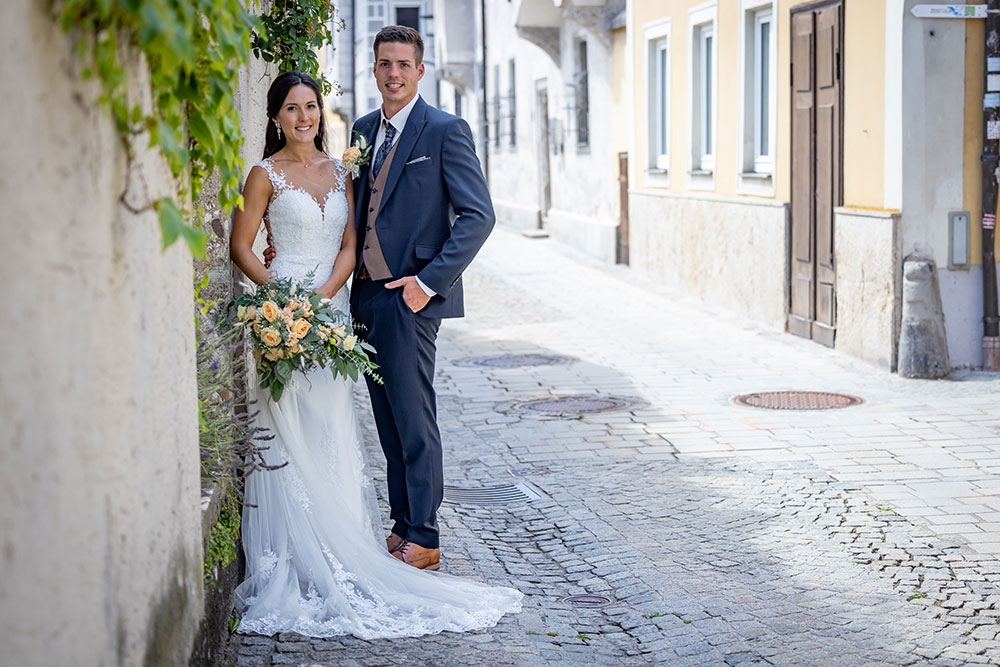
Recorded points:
(393, 542)
(419, 557)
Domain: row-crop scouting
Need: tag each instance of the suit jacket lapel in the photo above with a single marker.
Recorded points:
(414, 126)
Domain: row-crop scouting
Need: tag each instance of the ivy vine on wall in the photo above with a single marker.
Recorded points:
(192, 49)
(294, 31)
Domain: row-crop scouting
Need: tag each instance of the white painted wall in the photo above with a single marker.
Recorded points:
(584, 183)
(100, 520)
(933, 85)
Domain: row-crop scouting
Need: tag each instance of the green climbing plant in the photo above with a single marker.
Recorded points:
(294, 31)
(192, 49)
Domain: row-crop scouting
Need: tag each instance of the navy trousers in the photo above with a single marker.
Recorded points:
(405, 407)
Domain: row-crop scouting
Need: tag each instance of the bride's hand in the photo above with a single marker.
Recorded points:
(325, 291)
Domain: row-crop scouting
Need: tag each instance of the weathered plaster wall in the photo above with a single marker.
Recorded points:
(727, 252)
(867, 247)
(100, 521)
(514, 170)
(936, 138)
(584, 180)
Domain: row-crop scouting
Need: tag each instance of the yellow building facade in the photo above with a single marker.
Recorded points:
(786, 156)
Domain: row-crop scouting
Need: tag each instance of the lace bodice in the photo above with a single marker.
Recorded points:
(306, 233)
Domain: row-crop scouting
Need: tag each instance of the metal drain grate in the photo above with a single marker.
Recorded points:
(587, 601)
(516, 361)
(496, 495)
(571, 406)
(797, 400)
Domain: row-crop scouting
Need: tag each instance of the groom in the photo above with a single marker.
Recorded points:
(423, 212)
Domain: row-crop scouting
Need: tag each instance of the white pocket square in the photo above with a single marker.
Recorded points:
(418, 159)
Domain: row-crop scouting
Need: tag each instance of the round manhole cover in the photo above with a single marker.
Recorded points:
(587, 601)
(575, 405)
(797, 400)
(516, 361)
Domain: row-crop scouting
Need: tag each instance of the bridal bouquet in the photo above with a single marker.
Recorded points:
(293, 329)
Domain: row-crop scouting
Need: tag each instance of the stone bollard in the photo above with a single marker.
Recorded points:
(923, 345)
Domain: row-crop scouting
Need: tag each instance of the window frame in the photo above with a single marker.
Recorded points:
(702, 98)
(756, 169)
(657, 117)
(763, 155)
(706, 98)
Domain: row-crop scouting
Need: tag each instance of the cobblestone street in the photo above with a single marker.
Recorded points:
(704, 532)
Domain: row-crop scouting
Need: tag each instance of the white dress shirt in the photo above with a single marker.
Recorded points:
(398, 121)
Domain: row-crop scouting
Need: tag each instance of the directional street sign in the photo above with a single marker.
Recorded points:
(949, 11)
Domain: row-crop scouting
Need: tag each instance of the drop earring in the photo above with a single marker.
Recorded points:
(277, 126)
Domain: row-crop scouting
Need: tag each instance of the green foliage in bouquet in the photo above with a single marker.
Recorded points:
(294, 329)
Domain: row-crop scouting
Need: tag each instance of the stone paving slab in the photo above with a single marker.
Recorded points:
(719, 534)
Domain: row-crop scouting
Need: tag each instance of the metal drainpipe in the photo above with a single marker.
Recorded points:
(354, 64)
(484, 133)
(991, 159)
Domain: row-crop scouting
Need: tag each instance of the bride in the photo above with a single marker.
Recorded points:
(316, 564)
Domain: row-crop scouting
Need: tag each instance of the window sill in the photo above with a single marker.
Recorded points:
(756, 176)
(654, 171)
(701, 172)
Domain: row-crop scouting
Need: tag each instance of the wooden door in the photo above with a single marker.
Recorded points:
(817, 112)
(544, 177)
(622, 254)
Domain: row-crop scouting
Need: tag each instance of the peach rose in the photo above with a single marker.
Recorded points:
(352, 154)
(269, 310)
(274, 354)
(270, 336)
(300, 327)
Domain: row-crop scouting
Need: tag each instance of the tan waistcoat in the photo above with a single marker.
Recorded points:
(371, 254)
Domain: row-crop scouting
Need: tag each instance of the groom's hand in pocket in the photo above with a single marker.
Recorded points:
(413, 295)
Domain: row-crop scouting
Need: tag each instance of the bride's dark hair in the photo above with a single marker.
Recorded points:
(276, 95)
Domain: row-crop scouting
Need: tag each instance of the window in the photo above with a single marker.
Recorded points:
(458, 102)
(705, 104)
(759, 82)
(408, 16)
(513, 105)
(657, 75)
(581, 84)
(660, 104)
(702, 95)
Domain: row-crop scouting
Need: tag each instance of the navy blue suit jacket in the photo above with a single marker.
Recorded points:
(435, 211)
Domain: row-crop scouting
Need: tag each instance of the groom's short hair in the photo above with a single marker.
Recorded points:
(403, 35)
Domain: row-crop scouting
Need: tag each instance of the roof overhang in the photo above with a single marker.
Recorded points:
(539, 14)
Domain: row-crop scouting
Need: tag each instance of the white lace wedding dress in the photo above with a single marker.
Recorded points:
(316, 558)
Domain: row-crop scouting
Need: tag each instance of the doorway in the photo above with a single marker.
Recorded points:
(544, 177)
(817, 168)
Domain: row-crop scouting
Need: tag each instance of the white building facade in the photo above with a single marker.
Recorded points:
(551, 158)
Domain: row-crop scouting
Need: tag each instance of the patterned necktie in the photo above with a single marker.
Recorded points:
(383, 150)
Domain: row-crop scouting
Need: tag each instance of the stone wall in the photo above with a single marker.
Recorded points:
(100, 521)
(867, 245)
(729, 253)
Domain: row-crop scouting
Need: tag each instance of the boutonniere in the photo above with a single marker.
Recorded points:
(357, 155)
